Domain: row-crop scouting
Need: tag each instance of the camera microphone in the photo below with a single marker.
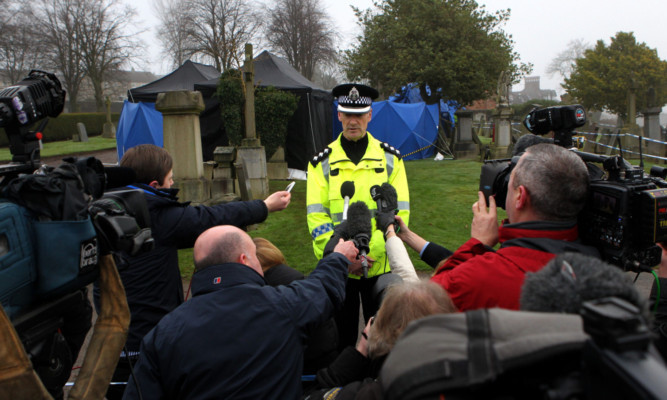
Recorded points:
(359, 229)
(347, 192)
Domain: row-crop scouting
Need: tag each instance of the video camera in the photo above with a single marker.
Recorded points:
(626, 211)
(56, 223)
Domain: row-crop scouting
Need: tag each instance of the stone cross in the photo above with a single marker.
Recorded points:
(504, 84)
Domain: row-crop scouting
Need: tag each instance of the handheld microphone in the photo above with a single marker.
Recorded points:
(347, 192)
(387, 201)
(359, 228)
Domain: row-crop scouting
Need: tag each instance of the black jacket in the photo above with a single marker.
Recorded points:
(237, 338)
(152, 280)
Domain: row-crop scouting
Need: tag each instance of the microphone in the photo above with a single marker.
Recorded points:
(387, 205)
(347, 192)
(359, 229)
(119, 176)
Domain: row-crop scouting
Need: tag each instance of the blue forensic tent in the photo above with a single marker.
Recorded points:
(139, 123)
(410, 95)
(412, 128)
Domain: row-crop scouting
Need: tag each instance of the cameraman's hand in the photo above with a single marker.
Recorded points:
(484, 225)
(348, 249)
(278, 201)
(662, 268)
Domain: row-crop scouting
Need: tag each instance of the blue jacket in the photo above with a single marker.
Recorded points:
(152, 280)
(237, 338)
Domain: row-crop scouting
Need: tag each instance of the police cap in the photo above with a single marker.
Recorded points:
(354, 98)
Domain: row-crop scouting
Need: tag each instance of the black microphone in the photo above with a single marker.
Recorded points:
(346, 192)
(119, 176)
(359, 229)
(376, 195)
(387, 205)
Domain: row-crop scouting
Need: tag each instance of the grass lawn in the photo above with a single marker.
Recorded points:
(67, 147)
(441, 196)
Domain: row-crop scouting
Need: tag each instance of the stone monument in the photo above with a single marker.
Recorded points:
(502, 116)
(108, 130)
(182, 139)
(251, 152)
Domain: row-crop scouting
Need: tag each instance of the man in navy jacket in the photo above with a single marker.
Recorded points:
(238, 338)
(152, 280)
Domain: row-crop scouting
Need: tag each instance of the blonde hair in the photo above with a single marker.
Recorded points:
(403, 303)
(268, 254)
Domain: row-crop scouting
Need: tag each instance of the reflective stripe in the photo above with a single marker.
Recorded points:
(325, 169)
(390, 163)
(322, 229)
(404, 205)
(316, 208)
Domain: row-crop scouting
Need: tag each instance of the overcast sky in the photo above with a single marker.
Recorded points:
(540, 28)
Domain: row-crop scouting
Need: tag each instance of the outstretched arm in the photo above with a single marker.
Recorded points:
(278, 201)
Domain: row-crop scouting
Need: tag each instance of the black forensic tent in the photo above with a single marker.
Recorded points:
(309, 129)
(184, 78)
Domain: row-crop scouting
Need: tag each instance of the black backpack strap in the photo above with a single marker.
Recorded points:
(442, 375)
(481, 359)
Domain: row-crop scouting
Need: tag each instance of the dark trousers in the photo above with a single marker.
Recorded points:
(347, 319)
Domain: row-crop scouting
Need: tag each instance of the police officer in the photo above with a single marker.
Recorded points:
(355, 156)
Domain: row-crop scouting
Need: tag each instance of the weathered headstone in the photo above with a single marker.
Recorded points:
(81, 134)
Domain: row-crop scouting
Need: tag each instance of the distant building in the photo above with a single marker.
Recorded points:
(531, 91)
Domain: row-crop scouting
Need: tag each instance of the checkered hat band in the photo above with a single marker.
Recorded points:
(361, 101)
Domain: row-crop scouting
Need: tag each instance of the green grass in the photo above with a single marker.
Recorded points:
(66, 147)
(441, 196)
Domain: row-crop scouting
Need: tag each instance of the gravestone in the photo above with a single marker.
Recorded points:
(81, 135)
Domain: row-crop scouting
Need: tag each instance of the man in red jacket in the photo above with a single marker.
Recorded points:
(547, 189)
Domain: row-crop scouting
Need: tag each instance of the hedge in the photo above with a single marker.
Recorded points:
(64, 126)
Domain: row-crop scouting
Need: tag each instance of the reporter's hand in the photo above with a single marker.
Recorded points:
(355, 268)
(278, 201)
(348, 249)
(484, 225)
(403, 230)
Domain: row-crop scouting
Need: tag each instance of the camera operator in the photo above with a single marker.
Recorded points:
(152, 280)
(546, 191)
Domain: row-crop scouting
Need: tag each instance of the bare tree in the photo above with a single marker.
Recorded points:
(565, 60)
(20, 46)
(301, 31)
(172, 30)
(104, 45)
(219, 30)
(57, 24)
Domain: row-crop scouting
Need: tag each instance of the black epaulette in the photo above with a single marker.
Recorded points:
(390, 149)
(322, 155)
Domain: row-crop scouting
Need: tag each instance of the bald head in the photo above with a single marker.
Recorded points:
(225, 244)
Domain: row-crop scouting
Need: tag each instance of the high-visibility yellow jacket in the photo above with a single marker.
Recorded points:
(327, 172)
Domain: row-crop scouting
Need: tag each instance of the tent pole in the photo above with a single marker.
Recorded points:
(310, 120)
